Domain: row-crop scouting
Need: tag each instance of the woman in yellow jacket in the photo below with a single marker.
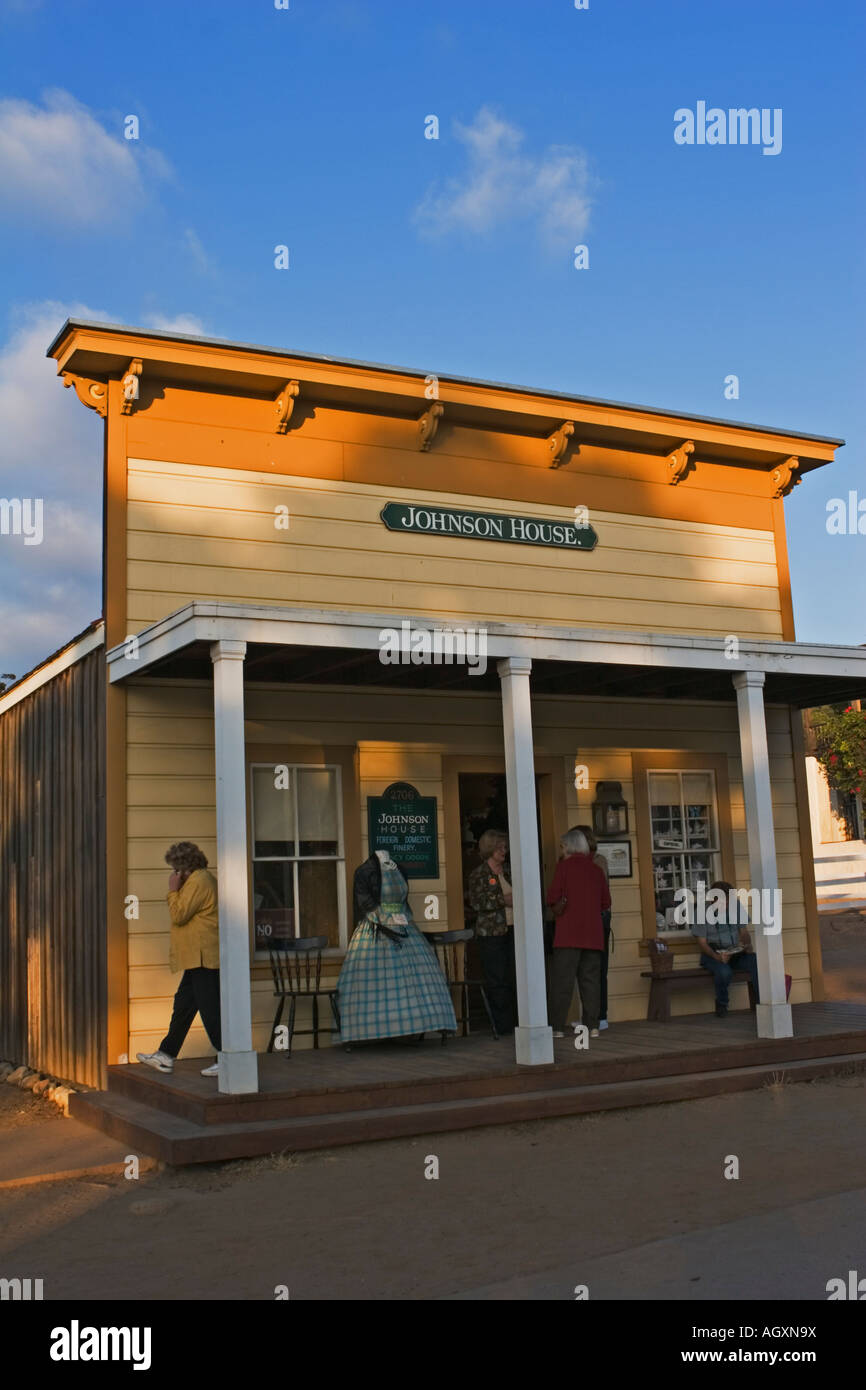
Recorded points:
(195, 949)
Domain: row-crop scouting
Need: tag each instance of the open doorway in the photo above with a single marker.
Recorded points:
(483, 803)
(476, 801)
(474, 796)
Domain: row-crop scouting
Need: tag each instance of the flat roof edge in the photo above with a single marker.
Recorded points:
(162, 336)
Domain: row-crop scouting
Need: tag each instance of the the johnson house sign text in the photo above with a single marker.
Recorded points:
(488, 526)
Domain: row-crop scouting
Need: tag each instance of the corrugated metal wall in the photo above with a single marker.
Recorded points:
(52, 876)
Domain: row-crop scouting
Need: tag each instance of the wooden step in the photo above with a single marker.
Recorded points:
(176, 1140)
(168, 1093)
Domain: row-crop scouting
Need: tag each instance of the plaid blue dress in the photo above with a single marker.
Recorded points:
(389, 987)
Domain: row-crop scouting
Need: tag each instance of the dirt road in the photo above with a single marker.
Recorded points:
(636, 1200)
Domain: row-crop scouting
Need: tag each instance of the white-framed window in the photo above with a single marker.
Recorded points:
(684, 823)
(298, 856)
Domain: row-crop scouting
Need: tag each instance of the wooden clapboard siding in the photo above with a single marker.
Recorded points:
(405, 736)
(52, 875)
(233, 421)
(197, 532)
(206, 427)
(170, 797)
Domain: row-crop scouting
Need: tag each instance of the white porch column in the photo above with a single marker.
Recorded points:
(533, 1036)
(238, 1064)
(774, 1013)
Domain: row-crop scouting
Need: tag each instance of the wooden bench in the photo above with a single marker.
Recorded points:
(662, 982)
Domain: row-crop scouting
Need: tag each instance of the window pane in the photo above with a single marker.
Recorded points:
(317, 810)
(273, 903)
(667, 877)
(317, 890)
(664, 788)
(273, 812)
(700, 868)
(699, 798)
(666, 810)
(698, 786)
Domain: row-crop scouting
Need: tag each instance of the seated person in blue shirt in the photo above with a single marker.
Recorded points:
(726, 945)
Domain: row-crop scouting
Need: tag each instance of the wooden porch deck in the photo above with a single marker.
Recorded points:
(396, 1088)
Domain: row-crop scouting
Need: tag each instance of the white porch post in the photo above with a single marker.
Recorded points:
(774, 1013)
(533, 1036)
(238, 1064)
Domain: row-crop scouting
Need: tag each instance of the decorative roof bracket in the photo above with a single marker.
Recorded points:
(428, 424)
(678, 461)
(285, 404)
(558, 443)
(130, 387)
(93, 394)
(783, 479)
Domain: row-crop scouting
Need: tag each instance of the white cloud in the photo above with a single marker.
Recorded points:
(203, 262)
(52, 449)
(57, 162)
(176, 323)
(502, 184)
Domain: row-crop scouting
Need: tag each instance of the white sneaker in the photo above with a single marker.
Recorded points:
(160, 1061)
(603, 1024)
(593, 1032)
(212, 1070)
(558, 1035)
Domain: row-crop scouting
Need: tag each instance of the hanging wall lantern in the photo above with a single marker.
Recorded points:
(609, 810)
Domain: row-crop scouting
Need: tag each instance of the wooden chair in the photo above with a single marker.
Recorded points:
(445, 944)
(296, 966)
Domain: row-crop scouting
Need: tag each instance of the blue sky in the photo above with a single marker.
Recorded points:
(305, 127)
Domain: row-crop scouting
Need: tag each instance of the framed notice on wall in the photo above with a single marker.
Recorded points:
(618, 856)
(405, 824)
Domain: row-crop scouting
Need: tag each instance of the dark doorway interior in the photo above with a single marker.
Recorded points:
(484, 806)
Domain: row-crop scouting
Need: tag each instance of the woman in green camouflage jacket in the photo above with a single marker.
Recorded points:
(489, 894)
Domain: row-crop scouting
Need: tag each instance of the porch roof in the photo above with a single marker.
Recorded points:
(329, 646)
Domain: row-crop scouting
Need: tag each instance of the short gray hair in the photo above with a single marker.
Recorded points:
(490, 842)
(574, 841)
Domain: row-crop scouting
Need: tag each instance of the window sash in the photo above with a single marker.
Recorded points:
(676, 818)
(293, 769)
(296, 858)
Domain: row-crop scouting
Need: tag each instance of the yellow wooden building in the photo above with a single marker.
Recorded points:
(269, 515)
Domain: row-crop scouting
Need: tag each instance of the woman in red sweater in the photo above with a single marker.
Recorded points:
(579, 894)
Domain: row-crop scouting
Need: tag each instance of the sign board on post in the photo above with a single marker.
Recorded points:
(405, 824)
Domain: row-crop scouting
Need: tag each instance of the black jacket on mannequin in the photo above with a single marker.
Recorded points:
(367, 887)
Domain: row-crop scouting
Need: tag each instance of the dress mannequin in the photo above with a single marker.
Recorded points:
(391, 983)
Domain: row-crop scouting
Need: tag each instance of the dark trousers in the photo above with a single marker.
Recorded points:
(496, 954)
(605, 958)
(721, 973)
(197, 993)
(569, 961)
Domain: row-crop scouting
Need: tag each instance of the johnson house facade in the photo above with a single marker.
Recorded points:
(344, 601)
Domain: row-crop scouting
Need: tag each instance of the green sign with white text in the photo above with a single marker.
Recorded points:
(404, 823)
(488, 526)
